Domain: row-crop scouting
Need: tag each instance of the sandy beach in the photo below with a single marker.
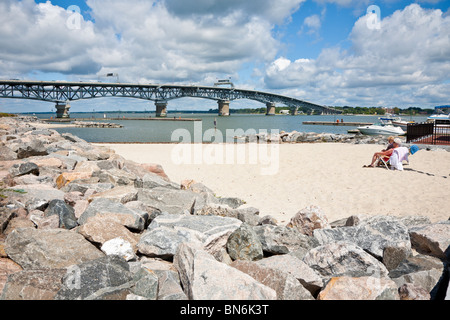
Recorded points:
(296, 176)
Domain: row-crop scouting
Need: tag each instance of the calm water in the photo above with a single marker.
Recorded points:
(170, 131)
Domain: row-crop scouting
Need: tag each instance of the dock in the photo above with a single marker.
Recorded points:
(331, 123)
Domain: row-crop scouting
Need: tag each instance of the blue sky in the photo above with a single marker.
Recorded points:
(322, 51)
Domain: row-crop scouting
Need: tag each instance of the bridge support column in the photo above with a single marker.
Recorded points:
(270, 109)
(62, 110)
(224, 108)
(294, 111)
(161, 109)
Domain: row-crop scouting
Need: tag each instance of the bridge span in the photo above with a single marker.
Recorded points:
(62, 92)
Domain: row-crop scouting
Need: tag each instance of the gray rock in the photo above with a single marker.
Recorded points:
(343, 259)
(244, 244)
(110, 209)
(169, 285)
(33, 148)
(106, 278)
(373, 235)
(152, 180)
(433, 239)
(53, 248)
(167, 232)
(22, 169)
(168, 200)
(145, 284)
(282, 240)
(7, 154)
(66, 214)
(308, 277)
(284, 284)
(421, 270)
(204, 278)
(409, 291)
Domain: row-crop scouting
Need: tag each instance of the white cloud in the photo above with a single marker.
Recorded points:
(405, 62)
(142, 40)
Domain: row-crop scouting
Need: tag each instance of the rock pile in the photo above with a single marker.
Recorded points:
(84, 124)
(81, 222)
(313, 137)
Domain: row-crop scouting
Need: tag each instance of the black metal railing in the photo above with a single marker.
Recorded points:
(435, 133)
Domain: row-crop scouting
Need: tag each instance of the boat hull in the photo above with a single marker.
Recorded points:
(381, 130)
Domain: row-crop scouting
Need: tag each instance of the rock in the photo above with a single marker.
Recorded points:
(146, 284)
(409, 291)
(6, 215)
(30, 149)
(421, 270)
(204, 278)
(116, 211)
(7, 267)
(19, 170)
(66, 177)
(66, 214)
(7, 154)
(362, 288)
(249, 215)
(154, 168)
(119, 247)
(115, 176)
(167, 232)
(17, 223)
(151, 180)
(343, 259)
(168, 200)
(36, 192)
(36, 284)
(309, 219)
(53, 249)
(309, 278)
(169, 285)
(122, 194)
(393, 256)
(433, 239)
(284, 284)
(42, 222)
(106, 278)
(373, 235)
(282, 240)
(100, 230)
(244, 244)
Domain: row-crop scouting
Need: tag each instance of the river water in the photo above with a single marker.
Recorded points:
(142, 131)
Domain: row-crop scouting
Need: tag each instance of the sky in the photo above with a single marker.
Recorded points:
(389, 53)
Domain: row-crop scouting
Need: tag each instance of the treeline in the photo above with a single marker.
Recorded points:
(382, 111)
(346, 110)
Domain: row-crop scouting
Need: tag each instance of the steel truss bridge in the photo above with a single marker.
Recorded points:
(61, 93)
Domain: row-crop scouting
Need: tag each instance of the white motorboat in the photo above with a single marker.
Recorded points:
(374, 130)
(439, 117)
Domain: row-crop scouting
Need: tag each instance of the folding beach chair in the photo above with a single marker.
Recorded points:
(395, 161)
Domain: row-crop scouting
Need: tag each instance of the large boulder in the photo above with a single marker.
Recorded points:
(285, 285)
(106, 278)
(343, 259)
(167, 232)
(65, 213)
(52, 248)
(168, 200)
(359, 288)
(36, 284)
(309, 219)
(244, 244)
(282, 240)
(433, 239)
(204, 278)
(373, 235)
(113, 210)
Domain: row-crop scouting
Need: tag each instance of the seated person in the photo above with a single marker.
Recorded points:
(388, 153)
(391, 144)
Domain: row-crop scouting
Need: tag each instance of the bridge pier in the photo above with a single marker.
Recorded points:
(224, 108)
(294, 111)
(270, 109)
(62, 110)
(161, 109)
